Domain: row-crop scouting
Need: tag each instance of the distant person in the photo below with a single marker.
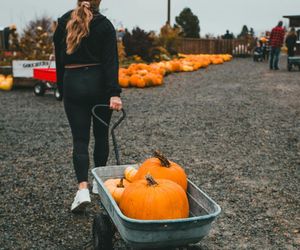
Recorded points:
(258, 52)
(8, 31)
(228, 35)
(263, 43)
(87, 72)
(290, 42)
(276, 42)
(267, 45)
(120, 34)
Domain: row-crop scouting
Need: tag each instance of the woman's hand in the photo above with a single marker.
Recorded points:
(115, 103)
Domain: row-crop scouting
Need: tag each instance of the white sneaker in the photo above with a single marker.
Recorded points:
(81, 200)
(95, 187)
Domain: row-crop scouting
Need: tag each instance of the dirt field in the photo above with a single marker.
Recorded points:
(235, 128)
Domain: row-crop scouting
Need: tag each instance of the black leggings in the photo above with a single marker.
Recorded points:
(82, 90)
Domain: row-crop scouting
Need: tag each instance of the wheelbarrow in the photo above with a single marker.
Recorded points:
(150, 234)
(293, 61)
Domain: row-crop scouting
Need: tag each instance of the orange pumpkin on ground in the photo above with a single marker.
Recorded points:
(116, 188)
(124, 81)
(137, 81)
(154, 199)
(6, 83)
(161, 168)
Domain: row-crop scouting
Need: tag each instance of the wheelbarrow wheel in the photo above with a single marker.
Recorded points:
(39, 89)
(102, 233)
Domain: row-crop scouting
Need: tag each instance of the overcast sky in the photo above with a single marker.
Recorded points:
(215, 15)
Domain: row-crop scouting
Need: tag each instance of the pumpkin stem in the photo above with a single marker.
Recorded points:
(150, 180)
(121, 185)
(164, 161)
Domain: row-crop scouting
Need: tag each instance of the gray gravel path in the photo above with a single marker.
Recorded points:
(235, 128)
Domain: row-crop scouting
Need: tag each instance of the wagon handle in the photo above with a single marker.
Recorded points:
(112, 131)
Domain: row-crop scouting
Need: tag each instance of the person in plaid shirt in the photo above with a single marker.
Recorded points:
(276, 42)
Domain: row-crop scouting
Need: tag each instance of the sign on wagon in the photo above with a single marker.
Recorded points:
(25, 68)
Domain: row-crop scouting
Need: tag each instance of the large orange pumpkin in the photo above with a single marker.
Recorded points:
(116, 188)
(161, 168)
(154, 199)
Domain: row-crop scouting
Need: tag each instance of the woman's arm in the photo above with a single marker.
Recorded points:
(110, 61)
(58, 39)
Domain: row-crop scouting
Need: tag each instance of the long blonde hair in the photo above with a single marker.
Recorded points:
(78, 25)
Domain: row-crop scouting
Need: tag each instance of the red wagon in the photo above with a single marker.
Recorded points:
(47, 80)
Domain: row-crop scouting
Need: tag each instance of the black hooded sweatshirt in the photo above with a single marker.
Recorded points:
(99, 47)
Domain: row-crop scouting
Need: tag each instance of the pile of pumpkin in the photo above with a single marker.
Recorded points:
(154, 191)
(6, 82)
(142, 75)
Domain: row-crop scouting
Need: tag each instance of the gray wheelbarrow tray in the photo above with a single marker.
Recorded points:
(158, 233)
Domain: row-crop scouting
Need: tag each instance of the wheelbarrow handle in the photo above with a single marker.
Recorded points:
(114, 126)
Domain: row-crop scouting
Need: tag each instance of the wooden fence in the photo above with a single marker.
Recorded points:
(235, 47)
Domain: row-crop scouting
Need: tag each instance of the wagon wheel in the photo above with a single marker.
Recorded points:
(39, 89)
(57, 94)
(102, 233)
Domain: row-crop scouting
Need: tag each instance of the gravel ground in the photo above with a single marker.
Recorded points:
(235, 128)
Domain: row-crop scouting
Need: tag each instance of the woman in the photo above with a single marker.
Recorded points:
(87, 74)
(290, 42)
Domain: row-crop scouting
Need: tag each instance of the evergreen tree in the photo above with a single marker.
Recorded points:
(244, 33)
(36, 41)
(189, 23)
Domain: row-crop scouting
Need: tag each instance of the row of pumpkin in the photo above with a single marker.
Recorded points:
(143, 75)
(154, 191)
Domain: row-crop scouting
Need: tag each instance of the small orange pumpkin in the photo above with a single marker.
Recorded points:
(176, 66)
(124, 81)
(157, 80)
(129, 173)
(154, 199)
(137, 81)
(116, 188)
(161, 168)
